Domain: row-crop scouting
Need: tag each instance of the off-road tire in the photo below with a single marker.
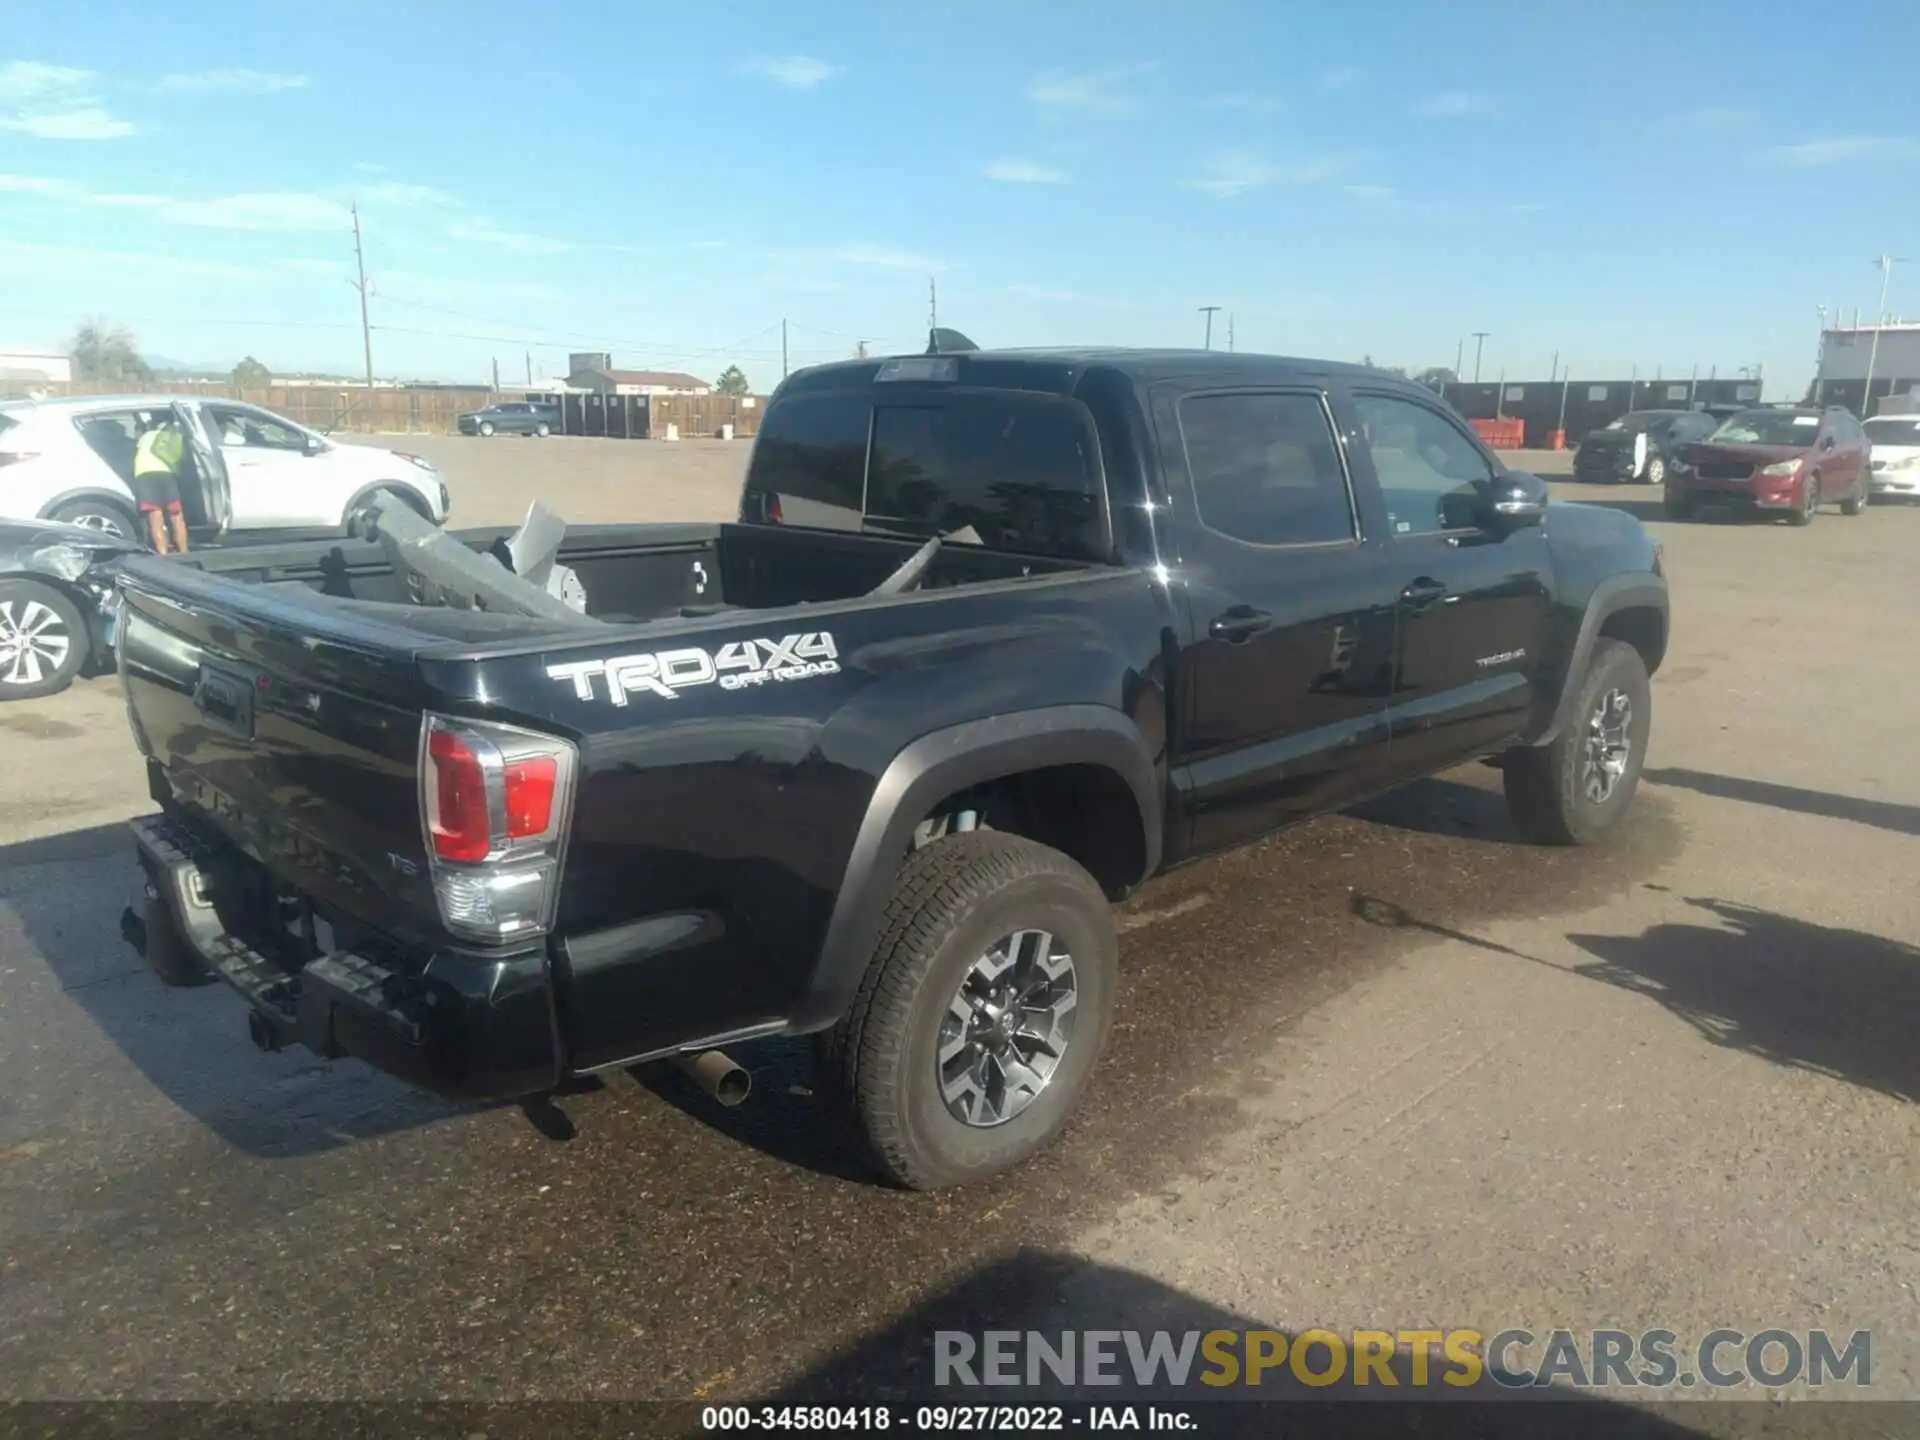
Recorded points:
(1545, 784)
(952, 901)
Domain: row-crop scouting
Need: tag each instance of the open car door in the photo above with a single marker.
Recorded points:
(213, 514)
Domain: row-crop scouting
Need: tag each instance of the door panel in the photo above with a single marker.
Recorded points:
(272, 477)
(1283, 681)
(1472, 601)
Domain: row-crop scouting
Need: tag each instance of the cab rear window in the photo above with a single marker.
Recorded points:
(1010, 471)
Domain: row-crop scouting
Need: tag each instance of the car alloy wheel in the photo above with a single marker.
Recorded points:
(34, 643)
(95, 520)
(1007, 1028)
(1609, 746)
(1656, 471)
(486, 427)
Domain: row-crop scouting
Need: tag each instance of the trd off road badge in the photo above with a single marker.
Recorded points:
(734, 666)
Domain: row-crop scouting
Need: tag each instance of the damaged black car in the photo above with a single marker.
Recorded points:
(56, 604)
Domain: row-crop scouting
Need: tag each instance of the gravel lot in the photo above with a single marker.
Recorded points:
(1672, 1083)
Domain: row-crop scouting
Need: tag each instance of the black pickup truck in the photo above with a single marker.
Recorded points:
(995, 637)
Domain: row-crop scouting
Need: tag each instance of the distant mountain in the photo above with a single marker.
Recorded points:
(184, 370)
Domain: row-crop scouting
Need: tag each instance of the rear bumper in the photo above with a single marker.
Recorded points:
(462, 1023)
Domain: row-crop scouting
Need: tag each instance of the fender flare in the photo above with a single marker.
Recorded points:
(1610, 596)
(939, 764)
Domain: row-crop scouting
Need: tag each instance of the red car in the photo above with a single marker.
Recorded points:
(1788, 460)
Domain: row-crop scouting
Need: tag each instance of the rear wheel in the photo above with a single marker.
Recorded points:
(1575, 790)
(111, 516)
(43, 640)
(1855, 503)
(987, 1002)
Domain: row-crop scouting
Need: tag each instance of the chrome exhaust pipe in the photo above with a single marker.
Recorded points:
(715, 1072)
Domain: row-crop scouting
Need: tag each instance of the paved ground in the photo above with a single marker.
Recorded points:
(1390, 1069)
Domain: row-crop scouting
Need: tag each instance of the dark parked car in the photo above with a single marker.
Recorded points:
(996, 637)
(1638, 446)
(56, 594)
(514, 418)
(1786, 460)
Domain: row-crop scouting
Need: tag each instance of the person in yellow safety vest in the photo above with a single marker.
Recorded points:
(156, 480)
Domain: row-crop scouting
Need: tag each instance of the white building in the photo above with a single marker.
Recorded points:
(34, 367)
(1844, 351)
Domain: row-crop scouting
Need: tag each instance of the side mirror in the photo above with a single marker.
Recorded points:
(315, 444)
(1517, 498)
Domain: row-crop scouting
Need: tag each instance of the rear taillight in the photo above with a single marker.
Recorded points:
(773, 509)
(494, 802)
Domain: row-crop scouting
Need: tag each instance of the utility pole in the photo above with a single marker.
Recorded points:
(783, 347)
(1633, 385)
(366, 330)
(1820, 354)
(529, 369)
(1459, 359)
(496, 374)
(1208, 310)
(1886, 264)
(1564, 379)
(1553, 370)
(933, 306)
(1692, 380)
(1229, 332)
(1479, 343)
(859, 349)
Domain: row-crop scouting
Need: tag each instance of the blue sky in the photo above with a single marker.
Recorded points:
(1622, 184)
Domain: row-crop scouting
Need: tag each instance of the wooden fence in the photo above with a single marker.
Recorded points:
(433, 411)
(323, 407)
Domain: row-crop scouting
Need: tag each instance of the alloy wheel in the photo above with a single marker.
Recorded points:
(34, 642)
(1609, 746)
(1006, 1028)
(107, 524)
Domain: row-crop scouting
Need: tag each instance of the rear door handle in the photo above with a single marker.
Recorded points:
(1422, 593)
(1239, 624)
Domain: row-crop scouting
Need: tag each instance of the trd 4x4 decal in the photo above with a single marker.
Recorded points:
(734, 666)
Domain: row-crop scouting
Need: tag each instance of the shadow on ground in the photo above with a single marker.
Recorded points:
(1447, 808)
(1836, 1002)
(1882, 814)
(1035, 1292)
(66, 893)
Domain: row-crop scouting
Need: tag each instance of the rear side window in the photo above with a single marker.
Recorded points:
(810, 457)
(1265, 469)
(1019, 471)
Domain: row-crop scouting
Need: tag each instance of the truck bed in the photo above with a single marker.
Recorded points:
(632, 574)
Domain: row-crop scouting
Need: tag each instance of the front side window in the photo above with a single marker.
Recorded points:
(254, 429)
(1431, 476)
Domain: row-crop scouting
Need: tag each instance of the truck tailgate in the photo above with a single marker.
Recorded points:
(293, 724)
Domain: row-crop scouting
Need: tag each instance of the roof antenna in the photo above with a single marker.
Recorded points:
(941, 341)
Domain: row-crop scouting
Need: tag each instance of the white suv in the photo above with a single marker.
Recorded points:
(1896, 454)
(244, 469)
